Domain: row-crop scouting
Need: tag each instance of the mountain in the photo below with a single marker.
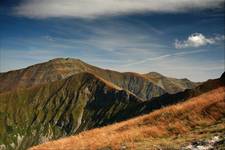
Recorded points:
(63, 97)
(197, 119)
(169, 99)
(80, 102)
(60, 108)
(171, 85)
(144, 86)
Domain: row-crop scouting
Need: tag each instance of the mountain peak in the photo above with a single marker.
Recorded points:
(68, 59)
(155, 74)
(61, 68)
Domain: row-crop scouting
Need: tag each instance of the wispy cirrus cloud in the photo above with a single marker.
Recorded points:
(197, 40)
(161, 57)
(96, 8)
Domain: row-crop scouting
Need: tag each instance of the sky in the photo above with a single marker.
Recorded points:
(177, 38)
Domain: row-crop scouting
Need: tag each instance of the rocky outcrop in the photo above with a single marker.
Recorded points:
(215, 142)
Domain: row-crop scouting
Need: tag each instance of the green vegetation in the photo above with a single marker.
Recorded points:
(32, 116)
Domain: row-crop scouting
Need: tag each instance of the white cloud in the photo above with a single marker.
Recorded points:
(96, 8)
(197, 40)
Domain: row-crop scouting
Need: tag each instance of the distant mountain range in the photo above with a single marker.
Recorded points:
(62, 97)
(144, 86)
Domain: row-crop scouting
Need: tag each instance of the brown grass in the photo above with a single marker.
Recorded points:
(178, 119)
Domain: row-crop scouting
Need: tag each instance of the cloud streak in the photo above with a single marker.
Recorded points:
(197, 40)
(97, 8)
(163, 57)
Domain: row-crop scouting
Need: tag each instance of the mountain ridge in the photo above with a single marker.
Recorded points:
(161, 128)
(60, 108)
(80, 102)
(60, 68)
(171, 85)
(66, 96)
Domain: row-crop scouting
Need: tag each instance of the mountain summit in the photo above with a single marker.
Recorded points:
(144, 86)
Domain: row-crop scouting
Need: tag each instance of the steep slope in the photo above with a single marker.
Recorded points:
(80, 102)
(61, 108)
(171, 85)
(162, 128)
(169, 99)
(58, 69)
(52, 70)
(77, 103)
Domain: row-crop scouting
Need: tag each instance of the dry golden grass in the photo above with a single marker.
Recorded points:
(178, 119)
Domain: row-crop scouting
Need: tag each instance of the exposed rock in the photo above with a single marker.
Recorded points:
(210, 144)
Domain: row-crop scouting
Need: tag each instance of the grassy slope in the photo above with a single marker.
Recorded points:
(171, 126)
(80, 102)
(57, 109)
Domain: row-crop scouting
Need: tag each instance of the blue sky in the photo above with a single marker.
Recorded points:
(183, 40)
